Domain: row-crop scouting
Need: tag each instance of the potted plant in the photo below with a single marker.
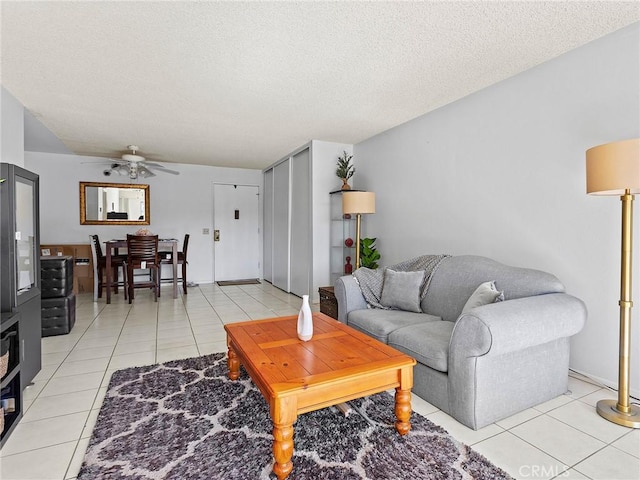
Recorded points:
(345, 170)
(369, 255)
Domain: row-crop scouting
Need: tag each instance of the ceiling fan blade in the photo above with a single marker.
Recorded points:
(119, 161)
(161, 167)
(104, 161)
(166, 170)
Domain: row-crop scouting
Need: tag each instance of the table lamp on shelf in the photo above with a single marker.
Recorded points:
(359, 203)
(614, 169)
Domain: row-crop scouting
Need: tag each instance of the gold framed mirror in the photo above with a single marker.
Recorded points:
(114, 204)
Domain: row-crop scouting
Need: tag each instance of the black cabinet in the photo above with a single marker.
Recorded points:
(30, 340)
(20, 280)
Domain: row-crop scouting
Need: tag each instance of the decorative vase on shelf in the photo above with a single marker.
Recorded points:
(305, 320)
(345, 185)
(348, 268)
(349, 242)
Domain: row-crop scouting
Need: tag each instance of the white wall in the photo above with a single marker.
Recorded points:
(11, 129)
(501, 173)
(179, 204)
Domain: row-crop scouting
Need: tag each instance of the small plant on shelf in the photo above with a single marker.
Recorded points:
(345, 170)
(369, 254)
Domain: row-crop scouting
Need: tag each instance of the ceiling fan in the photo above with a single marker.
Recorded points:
(135, 165)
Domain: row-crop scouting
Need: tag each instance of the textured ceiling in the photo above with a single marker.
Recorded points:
(244, 83)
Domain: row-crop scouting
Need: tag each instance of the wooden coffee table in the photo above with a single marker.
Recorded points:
(337, 365)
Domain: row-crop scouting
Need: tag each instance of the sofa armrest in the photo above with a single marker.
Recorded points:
(513, 325)
(349, 297)
(508, 356)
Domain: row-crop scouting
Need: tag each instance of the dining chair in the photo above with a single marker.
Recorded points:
(166, 257)
(100, 266)
(142, 253)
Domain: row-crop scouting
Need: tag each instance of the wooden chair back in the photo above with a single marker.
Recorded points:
(142, 252)
(142, 248)
(95, 241)
(185, 245)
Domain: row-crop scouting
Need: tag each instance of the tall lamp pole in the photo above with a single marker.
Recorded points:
(614, 169)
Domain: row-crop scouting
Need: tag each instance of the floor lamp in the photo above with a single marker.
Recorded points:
(358, 203)
(614, 169)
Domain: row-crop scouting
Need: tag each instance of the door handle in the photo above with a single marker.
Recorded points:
(216, 235)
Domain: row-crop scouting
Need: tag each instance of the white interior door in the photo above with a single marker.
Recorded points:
(236, 232)
(267, 221)
(301, 241)
(281, 210)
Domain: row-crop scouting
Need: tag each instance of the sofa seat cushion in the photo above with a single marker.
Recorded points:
(379, 323)
(427, 342)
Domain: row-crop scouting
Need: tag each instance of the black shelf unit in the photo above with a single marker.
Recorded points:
(10, 387)
(341, 228)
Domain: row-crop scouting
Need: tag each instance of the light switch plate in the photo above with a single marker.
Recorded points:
(205, 231)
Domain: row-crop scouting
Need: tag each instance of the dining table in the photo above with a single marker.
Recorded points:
(114, 245)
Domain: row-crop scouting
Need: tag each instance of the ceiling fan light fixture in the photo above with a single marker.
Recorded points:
(133, 171)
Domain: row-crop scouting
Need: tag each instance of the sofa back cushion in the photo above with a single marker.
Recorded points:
(457, 277)
(401, 290)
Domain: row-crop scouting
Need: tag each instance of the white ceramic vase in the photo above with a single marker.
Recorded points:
(305, 320)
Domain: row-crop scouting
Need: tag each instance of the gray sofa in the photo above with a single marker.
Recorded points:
(491, 361)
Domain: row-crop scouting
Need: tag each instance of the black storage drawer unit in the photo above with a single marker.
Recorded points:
(58, 315)
(56, 274)
(58, 305)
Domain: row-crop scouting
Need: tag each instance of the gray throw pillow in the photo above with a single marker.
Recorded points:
(485, 294)
(401, 290)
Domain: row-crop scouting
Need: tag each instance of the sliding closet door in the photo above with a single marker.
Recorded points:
(267, 242)
(301, 223)
(280, 267)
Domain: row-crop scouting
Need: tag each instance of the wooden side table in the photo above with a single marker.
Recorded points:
(328, 302)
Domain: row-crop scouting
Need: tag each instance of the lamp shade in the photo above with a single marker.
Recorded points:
(358, 202)
(613, 168)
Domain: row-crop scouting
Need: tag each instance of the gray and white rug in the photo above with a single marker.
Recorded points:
(185, 420)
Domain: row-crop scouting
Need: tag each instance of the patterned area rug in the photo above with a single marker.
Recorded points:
(185, 420)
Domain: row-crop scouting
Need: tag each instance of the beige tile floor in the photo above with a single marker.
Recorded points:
(563, 438)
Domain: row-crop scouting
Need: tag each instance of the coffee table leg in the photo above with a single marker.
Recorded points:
(403, 411)
(284, 415)
(233, 362)
(282, 450)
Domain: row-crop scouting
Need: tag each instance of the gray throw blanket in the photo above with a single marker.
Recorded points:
(372, 281)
